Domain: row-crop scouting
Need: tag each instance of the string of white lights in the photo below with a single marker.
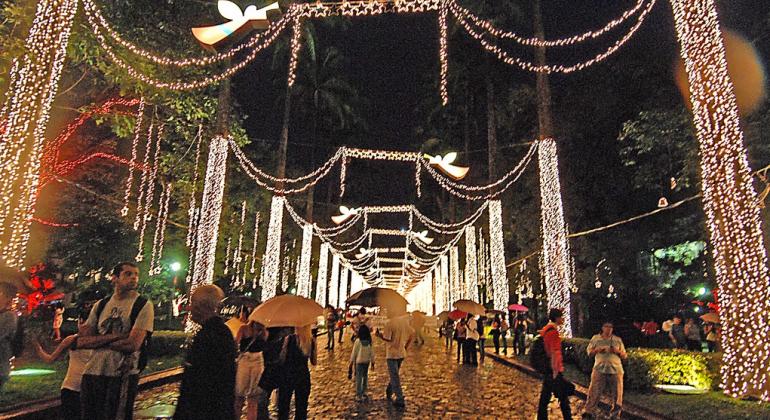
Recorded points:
(97, 22)
(334, 282)
(134, 153)
(145, 176)
(160, 229)
(344, 285)
(34, 84)
(497, 254)
(323, 265)
(255, 241)
(471, 268)
(556, 255)
(210, 213)
(304, 284)
(447, 287)
(145, 215)
(443, 54)
(227, 255)
(296, 37)
(366, 8)
(730, 203)
(536, 42)
(505, 57)
(192, 211)
(272, 257)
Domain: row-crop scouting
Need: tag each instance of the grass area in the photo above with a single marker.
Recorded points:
(711, 405)
(29, 388)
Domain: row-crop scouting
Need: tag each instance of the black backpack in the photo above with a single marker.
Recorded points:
(538, 358)
(135, 309)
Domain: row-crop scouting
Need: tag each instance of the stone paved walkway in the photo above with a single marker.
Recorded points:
(435, 387)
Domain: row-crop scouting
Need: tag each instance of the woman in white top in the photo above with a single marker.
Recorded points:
(361, 357)
(70, 387)
(471, 338)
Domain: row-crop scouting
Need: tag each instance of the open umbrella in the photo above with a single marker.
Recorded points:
(495, 312)
(518, 308)
(287, 311)
(379, 296)
(470, 306)
(457, 314)
(712, 317)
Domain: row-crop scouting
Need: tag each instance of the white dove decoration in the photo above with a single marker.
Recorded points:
(423, 236)
(240, 22)
(345, 214)
(362, 252)
(445, 165)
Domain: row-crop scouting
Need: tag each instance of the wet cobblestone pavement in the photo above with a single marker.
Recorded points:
(435, 387)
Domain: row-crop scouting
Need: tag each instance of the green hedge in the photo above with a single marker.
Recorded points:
(647, 367)
(167, 343)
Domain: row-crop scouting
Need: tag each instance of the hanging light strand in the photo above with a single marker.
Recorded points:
(443, 54)
(134, 151)
(296, 44)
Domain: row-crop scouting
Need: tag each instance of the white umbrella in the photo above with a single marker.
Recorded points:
(287, 311)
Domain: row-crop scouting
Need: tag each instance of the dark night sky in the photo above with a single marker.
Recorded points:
(391, 56)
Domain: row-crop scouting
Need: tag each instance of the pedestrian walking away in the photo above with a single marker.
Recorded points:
(495, 331)
(117, 329)
(503, 334)
(608, 352)
(482, 338)
(553, 381)
(300, 348)
(250, 363)
(460, 332)
(331, 324)
(208, 382)
(471, 338)
(398, 335)
(360, 358)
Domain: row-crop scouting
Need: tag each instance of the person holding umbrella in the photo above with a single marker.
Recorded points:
(397, 335)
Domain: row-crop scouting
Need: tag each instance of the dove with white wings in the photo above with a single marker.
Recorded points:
(345, 214)
(423, 236)
(240, 22)
(445, 165)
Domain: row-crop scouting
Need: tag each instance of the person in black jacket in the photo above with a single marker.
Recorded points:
(208, 382)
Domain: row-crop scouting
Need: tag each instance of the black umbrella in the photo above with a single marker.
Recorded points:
(378, 296)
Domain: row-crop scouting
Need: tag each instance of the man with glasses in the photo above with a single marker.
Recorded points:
(609, 352)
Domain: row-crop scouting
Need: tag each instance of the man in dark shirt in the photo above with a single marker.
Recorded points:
(208, 383)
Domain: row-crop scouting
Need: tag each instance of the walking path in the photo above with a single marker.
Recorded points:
(435, 386)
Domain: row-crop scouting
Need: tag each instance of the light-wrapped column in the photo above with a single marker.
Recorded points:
(444, 273)
(34, 81)
(557, 263)
(272, 259)
(356, 282)
(497, 256)
(210, 212)
(730, 203)
(323, 264)
(454, 274)
(303, 272)
(471, 268)
(334, 282)
(343, 285)
(441, 298)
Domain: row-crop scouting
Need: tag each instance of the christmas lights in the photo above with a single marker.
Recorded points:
(254, 243)
(145, 176)
(443, 59)
(334, 282)
(160, 230)
(497, 255)
(192, 211)
(144, 209)
(210, 213)
(34, 82)
(323, 264)
(272, 258)
(343, 286)
(557, 265)
(730, 203)
(457, 291)
(303, 273)
(446, 285)
(471, 269)
(296, 36)
(238, 252)
(505, 57)
(134, 150)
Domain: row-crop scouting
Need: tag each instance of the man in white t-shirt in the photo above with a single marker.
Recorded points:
(116, 329)
(397, 336)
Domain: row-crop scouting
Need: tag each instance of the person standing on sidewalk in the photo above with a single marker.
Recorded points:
(208, 382)
(495, 331)
(460, 331)
(504, 333)
(397, 335)
(331, 324)
(553, 382)
(519, 335)
(482, 338)
(609, 352)
(116, 329)
(471, 338)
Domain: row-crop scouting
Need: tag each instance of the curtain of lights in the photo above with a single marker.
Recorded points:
(454, 274)
(334, 282)
(447, 287)
(323, 264)
(272, 259)
(303, 272)
(471, 269)
(730, 203)
(557, 267)
(210, 212)
(343, 285)
(497, 255)
(34, 81)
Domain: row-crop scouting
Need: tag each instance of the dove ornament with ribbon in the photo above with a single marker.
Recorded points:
(445, 165)
(240, 23)
(423, 236)
(345, 214)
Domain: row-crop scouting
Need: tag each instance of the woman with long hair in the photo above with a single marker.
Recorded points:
(299, 349)
(360, 358)
(250, 339)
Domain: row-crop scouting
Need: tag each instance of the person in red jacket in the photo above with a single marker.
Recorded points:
(552, 380)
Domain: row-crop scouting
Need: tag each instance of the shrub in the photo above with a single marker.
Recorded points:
(646, 367)
(167, 343)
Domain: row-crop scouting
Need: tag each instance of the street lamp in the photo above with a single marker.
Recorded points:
(175, 266)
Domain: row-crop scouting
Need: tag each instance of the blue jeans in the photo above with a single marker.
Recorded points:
(395, 381)
(362, 378)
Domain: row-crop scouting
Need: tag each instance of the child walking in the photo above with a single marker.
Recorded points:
(361, 357)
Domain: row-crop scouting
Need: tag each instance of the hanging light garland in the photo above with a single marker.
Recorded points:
(254, 243)
(210, 213)
(227, 256)
(238, 252)
(34, 81)
(304, 285)
(147, 192)
(134, 152)
(160, 230)
(296, 36)
(323, 265)
(272, 257)
(730, 203)
(145, 176)
(557, 261)
(192, 211)
(443, 54)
